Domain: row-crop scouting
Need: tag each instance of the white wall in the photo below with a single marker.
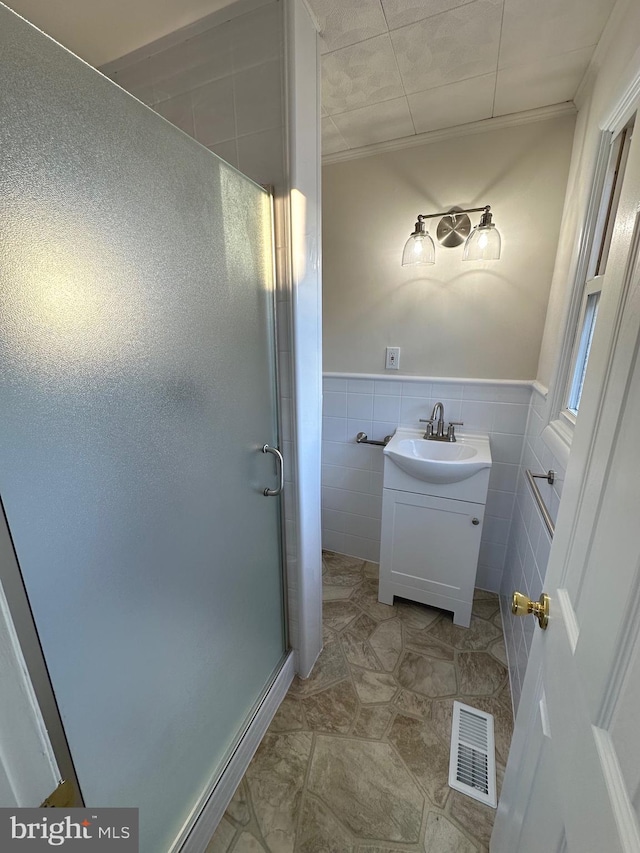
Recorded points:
(352, 473)
(305, 205)
(614, 61)
(606, 79)
(455, 318)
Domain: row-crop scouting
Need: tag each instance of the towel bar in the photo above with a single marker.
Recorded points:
(361, 438)
(549, 477)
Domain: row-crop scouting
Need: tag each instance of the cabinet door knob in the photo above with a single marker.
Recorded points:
(475, 521)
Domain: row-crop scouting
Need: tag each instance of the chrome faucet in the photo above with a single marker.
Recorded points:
(439, 434)
(439, 407)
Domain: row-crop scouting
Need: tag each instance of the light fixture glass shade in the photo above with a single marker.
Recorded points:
(483, 244)
(419, 250)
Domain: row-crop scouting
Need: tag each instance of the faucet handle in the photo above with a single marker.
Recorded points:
(429, 423)
(451, 430)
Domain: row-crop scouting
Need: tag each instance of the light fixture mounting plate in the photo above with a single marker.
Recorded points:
(453, 229)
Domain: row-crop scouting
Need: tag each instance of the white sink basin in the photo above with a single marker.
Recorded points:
(439, 461)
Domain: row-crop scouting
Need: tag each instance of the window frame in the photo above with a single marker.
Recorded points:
(593, 252)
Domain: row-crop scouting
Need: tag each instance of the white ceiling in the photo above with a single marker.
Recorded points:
(390, 68)
(396, 68)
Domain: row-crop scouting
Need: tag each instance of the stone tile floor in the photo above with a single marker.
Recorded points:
(356, 759)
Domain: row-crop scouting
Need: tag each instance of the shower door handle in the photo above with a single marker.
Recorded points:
(272, 493)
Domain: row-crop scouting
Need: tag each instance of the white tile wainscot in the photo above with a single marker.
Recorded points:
(529, 542)
(352, 473)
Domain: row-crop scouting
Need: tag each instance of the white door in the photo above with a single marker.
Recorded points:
(573, 777)
(28, 769)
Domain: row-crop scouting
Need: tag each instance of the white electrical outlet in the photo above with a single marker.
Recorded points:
(393, 358)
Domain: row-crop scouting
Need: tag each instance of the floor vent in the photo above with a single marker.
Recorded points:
(472, 766)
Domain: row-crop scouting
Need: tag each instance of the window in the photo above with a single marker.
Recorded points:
(595, 270)
(587, 324)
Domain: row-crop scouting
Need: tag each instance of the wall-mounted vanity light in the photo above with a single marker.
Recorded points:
(482, 243)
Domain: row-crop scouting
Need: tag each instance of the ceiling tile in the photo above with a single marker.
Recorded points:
(537, 84)
(456, 103)
(332, 140)
(375, 123)
(448, 47)
(347, 21)
(548, 28)
(401, 12)
(362, 74)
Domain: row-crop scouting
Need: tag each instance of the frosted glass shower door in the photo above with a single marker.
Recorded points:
(136, 393)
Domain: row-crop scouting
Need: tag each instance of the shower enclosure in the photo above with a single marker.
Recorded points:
(136, 395)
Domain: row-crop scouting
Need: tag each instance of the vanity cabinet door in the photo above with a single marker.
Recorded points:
(430, 550)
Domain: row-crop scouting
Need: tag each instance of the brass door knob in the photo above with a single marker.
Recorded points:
(521, 605)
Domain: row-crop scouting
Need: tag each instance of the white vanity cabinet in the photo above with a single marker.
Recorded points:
(431, 539)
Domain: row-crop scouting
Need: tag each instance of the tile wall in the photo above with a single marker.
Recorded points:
(352, 473)
(223, 85)
(529, 542)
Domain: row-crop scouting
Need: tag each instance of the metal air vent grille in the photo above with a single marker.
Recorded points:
(472, 763)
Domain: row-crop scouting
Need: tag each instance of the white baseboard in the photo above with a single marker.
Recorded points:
(217, 802)
(505, 613)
